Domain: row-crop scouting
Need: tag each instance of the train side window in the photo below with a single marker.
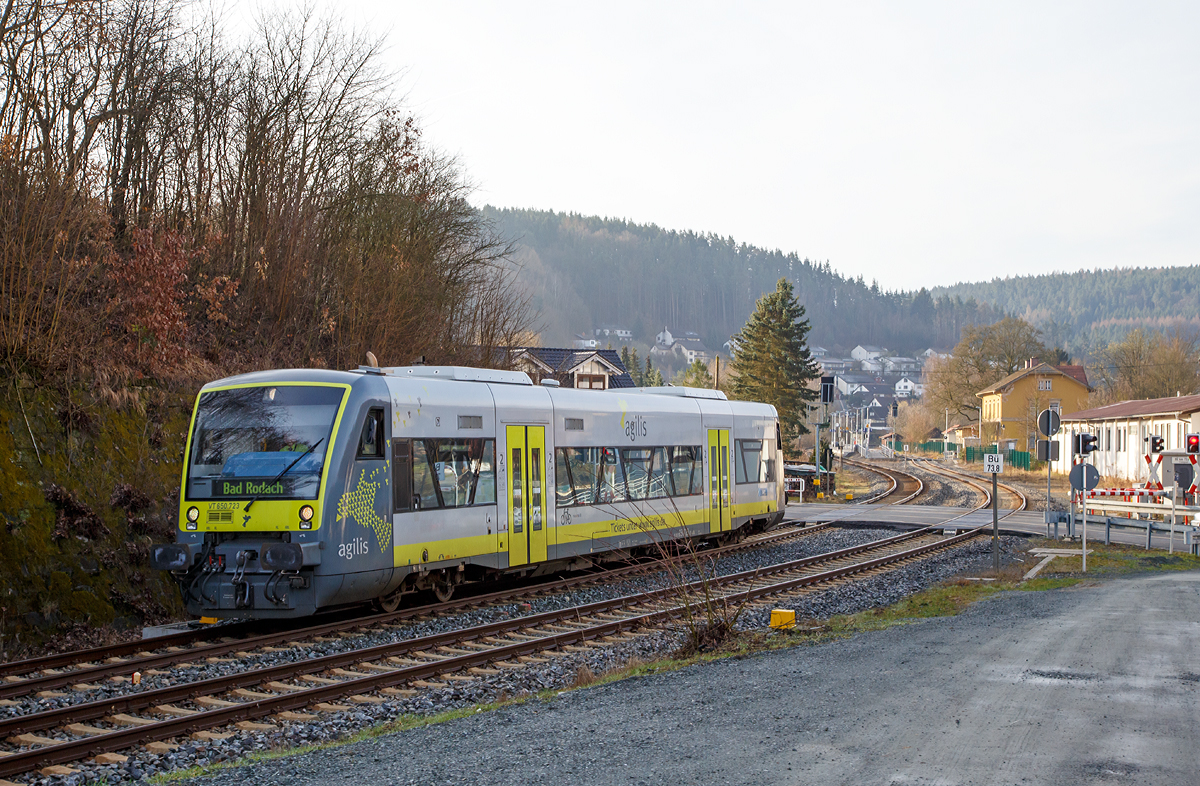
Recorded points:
(698, 470)
(686, 474)
(637, 471)
(426, 492)
(485, 485)
(401, 475)
(563, 495)
(583, 468)
(748, 461)
(660, 478)
(612, 485)
(370, 443)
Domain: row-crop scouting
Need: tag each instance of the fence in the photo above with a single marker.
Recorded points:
(1016, 459)
(935, 446)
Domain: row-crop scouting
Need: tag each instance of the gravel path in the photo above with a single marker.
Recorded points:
(1030, 687)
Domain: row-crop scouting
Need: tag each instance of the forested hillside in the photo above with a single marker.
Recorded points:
(1086, 310)
(584, 271)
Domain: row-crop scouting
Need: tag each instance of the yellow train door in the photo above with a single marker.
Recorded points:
(718, 483)
(526, 447)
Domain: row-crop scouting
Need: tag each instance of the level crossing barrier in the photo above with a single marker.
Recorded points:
(1161, 508)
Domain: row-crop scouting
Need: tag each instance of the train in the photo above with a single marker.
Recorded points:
(306, 490)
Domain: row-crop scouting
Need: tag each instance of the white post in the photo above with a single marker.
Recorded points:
(1084, 493)
(1174, 491)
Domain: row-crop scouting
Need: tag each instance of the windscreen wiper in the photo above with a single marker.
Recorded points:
(281, 474)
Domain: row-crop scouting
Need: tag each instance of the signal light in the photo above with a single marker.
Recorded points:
(1192, 444)
(1156, 444)
(1087, 443)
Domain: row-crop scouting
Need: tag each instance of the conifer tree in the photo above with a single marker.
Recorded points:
(634, 366)
(695, 375)
(773, 364)
(651, 378)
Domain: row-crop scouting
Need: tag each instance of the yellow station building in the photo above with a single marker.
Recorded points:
(1009, 408)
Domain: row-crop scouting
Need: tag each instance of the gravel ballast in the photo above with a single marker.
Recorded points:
(1026, 687)
(556, 674)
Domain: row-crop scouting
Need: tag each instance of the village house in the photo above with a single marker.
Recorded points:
(596, 369)
(1009, 408)
(867, 352)
(685, 346)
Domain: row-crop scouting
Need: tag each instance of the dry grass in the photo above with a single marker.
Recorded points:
(583, 677)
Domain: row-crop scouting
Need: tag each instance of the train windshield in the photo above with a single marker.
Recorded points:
(245, 438)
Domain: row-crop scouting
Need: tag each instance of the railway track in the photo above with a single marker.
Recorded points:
(84, 671)
(903, 486)
(896, 476)
(298, 690)
(1020, 501)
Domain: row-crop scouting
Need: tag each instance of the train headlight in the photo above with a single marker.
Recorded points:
(306, 513)
(305, 525)
(193, 513)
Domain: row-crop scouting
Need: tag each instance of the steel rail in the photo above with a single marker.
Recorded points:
(135, 701)
(128, 665)
(895, 483)
(123, 738)
(979, 483)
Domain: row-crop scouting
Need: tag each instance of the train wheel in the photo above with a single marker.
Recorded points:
(389, 603)
(443, 590)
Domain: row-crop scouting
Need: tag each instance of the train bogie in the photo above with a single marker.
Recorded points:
(304, 490)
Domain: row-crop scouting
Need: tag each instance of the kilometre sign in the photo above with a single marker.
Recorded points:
(993, 462)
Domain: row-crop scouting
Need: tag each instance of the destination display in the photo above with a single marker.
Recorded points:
(263, 488)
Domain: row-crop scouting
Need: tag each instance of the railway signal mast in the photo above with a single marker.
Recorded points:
(1049, 423)
(1084, 478)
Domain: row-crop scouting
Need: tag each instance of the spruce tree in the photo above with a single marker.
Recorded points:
(773, 364)
(634, 366)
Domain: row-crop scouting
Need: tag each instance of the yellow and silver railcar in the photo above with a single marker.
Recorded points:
(308, 489)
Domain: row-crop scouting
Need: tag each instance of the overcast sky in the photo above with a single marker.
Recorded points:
(914, 143)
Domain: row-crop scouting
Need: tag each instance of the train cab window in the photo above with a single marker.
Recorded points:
(370, 442)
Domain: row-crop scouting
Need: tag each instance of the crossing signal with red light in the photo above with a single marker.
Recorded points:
(1192, 443)
(1156, 444)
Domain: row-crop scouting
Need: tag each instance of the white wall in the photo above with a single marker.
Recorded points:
(1123, 443)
